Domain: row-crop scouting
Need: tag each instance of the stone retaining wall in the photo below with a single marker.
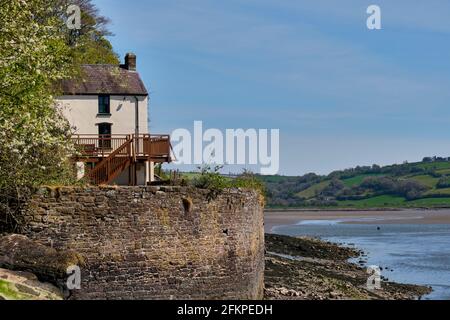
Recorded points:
(155, 242)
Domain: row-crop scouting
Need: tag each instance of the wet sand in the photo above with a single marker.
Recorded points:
(310, 269)
(407, 216)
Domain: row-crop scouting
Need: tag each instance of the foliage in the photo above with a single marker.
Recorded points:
(443, 182)
(34, 136)
(355, 186)
(90, 44)
(211, 179)
(249, 180)
(37, 50)
(410, 189)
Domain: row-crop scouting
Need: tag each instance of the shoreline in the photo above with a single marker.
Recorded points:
(301, 268)
(344, 209)
(275, 218)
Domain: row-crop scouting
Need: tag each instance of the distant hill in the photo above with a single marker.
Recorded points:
(420, 184)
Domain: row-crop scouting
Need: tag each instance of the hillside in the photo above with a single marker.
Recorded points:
(420, 184)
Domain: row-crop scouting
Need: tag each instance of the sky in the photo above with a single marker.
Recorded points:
(340, 94)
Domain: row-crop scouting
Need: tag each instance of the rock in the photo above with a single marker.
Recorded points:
(24, 286)
(293, 269)
(19, 253)
(284, 291)
(334, 295)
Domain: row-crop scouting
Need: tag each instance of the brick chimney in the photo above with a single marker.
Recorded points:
(130, 61)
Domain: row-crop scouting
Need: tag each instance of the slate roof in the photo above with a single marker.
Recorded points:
(105, 79)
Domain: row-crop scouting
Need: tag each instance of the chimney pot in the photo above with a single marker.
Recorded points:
(130, 61)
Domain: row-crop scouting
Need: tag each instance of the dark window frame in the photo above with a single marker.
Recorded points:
(104, 104)
(104, 138)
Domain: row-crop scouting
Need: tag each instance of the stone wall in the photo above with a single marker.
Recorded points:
(155, 242)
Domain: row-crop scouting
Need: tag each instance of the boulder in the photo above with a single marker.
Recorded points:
(19, 253)
(16, 285)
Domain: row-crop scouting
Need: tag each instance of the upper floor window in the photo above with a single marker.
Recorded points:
(104, 104)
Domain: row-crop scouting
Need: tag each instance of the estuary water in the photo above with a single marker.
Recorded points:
(408, 253)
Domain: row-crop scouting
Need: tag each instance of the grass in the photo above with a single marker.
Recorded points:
(190, 175)
(432, 196)
(428, 202)
(350, 182)
(374, 202)
(9, 292)
(444, 191)
(395, 202)
(195, 175)
(274, 179)
(438, 165)
(425, 180)
(311, 191)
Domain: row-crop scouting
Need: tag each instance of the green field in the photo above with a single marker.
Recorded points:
(430, 202)
(444, 191)
(438, 165)
(311, 191)
(403, 182)
(426, 180)
(374, 202)
(387, 201)
(350, 182)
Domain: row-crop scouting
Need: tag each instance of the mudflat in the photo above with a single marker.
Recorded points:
(311, 269)
(406, 216)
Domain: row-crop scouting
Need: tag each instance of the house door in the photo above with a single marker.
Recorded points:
(104, 134)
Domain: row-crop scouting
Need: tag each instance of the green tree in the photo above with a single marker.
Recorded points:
(37, 50)
(34, 137)
(89, 44)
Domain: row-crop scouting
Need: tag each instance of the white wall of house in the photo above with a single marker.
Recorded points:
(141, 176)
(82, 113)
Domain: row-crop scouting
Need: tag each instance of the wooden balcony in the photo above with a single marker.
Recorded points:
(147, 147)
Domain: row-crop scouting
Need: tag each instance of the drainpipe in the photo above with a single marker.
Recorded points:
(136, 116)
(136, 140)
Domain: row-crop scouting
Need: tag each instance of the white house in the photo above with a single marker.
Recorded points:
(107, 105)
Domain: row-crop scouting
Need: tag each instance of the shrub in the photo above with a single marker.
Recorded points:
(249, 180)
(410, 189)
(443, 182)
(211, 179)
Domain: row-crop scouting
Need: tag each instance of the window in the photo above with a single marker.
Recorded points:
(104, 134)
(103, 105)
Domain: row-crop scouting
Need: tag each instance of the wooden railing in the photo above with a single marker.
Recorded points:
(108, 169)
(158, 147)
(90, 145)
(155, 147)
(115, 153)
